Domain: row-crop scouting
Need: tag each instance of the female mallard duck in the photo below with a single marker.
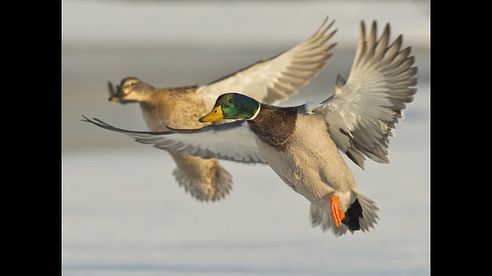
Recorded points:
(269, 81)
(301, 144)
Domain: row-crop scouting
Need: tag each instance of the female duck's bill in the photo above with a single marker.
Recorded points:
(116, 93)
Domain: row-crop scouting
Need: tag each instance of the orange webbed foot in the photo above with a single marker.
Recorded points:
(336, 211)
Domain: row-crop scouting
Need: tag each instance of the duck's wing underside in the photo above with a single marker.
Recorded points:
(275, 79)
(231, 141)
(364, 109)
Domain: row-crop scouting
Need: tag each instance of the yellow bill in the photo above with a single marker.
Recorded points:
(214, 115)
(114, 99)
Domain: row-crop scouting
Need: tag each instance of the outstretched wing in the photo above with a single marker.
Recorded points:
(275, 79)
(364, 109)
(232, 141)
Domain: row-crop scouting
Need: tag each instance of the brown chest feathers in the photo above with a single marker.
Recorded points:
(274, 126)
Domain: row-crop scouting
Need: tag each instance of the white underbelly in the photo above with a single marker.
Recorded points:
(311, 164)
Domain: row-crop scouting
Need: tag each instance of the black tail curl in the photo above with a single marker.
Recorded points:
(352, 215)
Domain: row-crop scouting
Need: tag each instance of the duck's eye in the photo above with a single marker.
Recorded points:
(230, 101)
(215, 111)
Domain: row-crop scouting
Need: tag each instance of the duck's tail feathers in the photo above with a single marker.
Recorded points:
(322, 217)
(217, 188)
(361, 215)
(369, 212)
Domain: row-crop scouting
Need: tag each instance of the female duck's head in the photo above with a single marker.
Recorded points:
(130, 90)
(232, 106)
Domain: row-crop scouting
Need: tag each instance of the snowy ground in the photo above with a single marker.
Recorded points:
(123, 213)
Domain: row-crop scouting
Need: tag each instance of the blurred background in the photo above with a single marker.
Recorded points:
(123, 212)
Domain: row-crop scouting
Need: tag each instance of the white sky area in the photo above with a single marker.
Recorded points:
(223, 23)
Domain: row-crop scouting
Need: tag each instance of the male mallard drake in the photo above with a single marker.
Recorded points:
(269, 81)
(302, 144)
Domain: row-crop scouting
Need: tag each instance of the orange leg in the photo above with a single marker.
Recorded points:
(336, 211)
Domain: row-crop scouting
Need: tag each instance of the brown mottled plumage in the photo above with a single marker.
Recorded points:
(204, 179)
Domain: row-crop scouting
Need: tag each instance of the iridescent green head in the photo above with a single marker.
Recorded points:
(232, 106)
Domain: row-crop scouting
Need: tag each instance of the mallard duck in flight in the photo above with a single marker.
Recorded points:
(269, 81)
(302, 144)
